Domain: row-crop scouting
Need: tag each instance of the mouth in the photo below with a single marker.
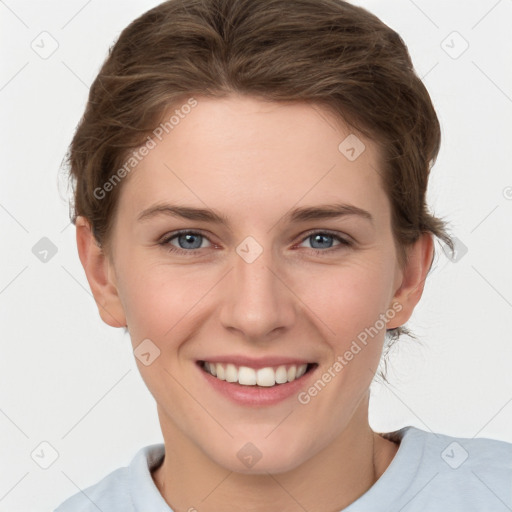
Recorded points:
(265, 377)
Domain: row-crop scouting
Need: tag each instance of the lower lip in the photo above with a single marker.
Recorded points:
(257, 395)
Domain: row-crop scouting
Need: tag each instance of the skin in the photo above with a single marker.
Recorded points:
(253, 161)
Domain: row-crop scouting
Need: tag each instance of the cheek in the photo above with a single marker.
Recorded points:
(162, 305)
(161, 301)
(349, 298)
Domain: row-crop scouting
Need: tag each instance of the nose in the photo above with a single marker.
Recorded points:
(258, 302)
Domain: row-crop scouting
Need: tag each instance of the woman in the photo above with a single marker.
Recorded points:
(224, 141)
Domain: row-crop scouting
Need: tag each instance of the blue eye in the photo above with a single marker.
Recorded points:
(321, 237)
(190, 241)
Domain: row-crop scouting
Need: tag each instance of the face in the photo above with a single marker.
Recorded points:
(260, 279)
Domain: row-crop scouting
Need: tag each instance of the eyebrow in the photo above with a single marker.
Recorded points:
(320, 212)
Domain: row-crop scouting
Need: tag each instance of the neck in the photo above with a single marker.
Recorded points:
(331, 480)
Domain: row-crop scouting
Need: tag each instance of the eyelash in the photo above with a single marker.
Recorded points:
(344, 243)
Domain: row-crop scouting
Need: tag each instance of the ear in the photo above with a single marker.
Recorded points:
(411, 279)
(100, 275)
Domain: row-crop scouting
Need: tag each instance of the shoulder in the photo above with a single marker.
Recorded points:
(468, 453)
(111, 491)
(115, 491)
(465, 473)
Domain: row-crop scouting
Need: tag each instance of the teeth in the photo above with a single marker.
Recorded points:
(220, 372)
(301, 370)
(231, 373)
(246, 376)
(281, 375)
(266, 377)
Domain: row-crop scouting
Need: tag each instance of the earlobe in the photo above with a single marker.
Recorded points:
(99, 274)
(413, 278)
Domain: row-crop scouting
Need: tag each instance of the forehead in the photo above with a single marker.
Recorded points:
(241, 154)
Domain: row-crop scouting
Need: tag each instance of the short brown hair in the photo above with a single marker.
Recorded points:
(325, 52)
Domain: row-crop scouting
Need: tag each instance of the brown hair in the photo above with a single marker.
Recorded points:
(325, 52)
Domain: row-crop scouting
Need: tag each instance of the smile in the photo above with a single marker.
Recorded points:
(246, 376)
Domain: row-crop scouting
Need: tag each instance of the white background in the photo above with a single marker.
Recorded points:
(71, 381)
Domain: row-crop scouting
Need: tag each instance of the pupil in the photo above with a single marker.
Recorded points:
(190, 239)
(315, 237)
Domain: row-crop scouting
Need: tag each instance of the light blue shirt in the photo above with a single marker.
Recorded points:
(430, 473)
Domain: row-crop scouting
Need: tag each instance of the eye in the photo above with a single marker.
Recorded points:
(187, 241)
(323, 239)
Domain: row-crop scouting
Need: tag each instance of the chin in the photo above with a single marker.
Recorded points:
(251, 460)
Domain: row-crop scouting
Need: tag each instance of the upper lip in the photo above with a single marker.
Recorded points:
(253, 362)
